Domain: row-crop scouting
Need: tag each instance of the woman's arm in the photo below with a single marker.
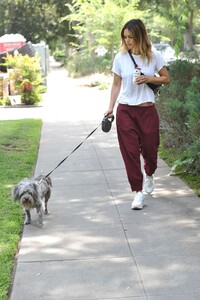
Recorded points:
(116, 86)
(162, 79)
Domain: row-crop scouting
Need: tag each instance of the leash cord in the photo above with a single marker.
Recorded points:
(62, 161)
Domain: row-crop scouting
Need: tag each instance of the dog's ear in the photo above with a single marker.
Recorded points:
(15, 193)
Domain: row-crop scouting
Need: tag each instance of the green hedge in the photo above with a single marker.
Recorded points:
(179, 109)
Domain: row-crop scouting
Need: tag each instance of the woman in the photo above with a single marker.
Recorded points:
(136, 117)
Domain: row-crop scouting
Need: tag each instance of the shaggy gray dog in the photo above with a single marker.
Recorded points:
(30, 194)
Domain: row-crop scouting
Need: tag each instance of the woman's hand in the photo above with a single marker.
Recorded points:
(142, 79)
(109, 113)
(163, 78)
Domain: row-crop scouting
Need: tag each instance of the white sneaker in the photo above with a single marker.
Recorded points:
(149, 184)
(138, 202)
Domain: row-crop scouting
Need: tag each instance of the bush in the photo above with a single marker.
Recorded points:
(27, 76)
(60, 55)
(179, 109)
(189, 161)
(82, 64)
(193, 107)
(5, 102)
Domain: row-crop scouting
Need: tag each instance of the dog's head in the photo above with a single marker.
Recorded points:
(26, 193)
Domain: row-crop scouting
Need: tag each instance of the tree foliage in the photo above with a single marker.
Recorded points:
(99, 21)
(95, 21)
(182, 17)
(36, 20)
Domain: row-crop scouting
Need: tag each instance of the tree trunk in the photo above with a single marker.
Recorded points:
(11, 16)
(188, 44)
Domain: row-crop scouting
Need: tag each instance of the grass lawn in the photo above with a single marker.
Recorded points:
(19, 142)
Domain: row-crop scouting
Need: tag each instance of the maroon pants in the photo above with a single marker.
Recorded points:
(138, 134)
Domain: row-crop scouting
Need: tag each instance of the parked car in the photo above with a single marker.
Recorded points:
(167, 52)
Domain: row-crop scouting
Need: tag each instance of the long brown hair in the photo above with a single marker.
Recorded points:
(139, 32)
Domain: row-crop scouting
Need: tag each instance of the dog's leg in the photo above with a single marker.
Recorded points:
(47, 196)
(39, 209)
(28, 217)
(45, 208)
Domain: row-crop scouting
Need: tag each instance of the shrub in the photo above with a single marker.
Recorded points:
(82, 63)
(5, 102)
(179, 109)
(189, 161)
(193, 107)
(60, 55)
(27, 76)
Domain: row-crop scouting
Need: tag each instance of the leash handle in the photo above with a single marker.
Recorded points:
(62, 161)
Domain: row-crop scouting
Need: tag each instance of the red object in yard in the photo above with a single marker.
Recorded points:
(11, 41)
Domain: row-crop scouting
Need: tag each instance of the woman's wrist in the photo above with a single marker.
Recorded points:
(149, 79)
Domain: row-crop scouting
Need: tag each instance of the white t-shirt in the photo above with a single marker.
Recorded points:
(123, 66)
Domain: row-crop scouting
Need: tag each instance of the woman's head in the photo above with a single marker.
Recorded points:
(134, 37)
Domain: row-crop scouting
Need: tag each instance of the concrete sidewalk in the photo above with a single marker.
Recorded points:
(92, 245)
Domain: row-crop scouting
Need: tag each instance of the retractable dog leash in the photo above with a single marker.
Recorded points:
(106, 125)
